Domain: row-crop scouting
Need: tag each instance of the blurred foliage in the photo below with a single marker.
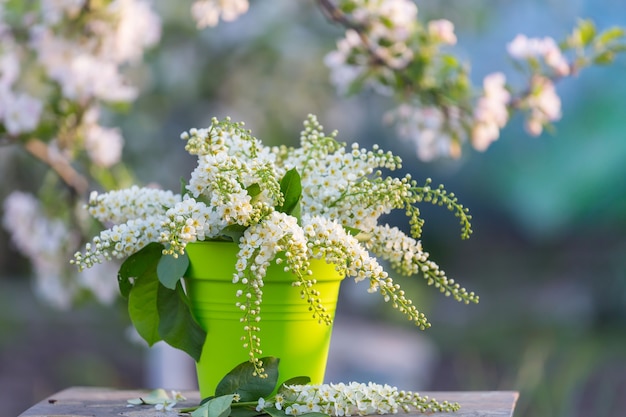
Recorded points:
(548, 253)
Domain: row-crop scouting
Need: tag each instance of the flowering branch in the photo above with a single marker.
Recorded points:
(60, 64)
(336, 15)
(388, 49)
(297, 397)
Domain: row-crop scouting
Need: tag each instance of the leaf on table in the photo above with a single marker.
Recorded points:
(157, 396)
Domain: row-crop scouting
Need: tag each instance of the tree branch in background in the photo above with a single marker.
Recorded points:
(334, 14)
(59, 164)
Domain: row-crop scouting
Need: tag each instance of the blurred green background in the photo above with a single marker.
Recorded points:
(548, 254)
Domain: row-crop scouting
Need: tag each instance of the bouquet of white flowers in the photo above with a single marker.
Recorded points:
(321, 200)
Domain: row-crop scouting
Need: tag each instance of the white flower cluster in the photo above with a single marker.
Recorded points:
(219, 176)
(328, 240)
(103, 145)
(442, 30)
(345, 184)
(119, 241)
(407, 256)
(386, 29)
(389, 26)
(261, 242)
(491, 113)
(433, 132)
(208, 12)
(259, 246)
(352, 399)
(122, 205)
(85, 62)
(90, 68)
(188, 221)
(544, 49)
(230, 160)
(137, 217)
(19, 111)
(542, 103)
(334, 188)
(440, 131)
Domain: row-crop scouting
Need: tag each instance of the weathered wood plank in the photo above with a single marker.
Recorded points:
(104, 402)
(99, 402)
(478, 403)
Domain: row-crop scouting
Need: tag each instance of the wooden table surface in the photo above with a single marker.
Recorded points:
(105, 402)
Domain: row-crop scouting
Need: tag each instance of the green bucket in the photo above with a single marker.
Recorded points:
(288, 330)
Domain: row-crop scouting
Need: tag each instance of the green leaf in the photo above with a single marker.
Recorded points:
(254, 190)
(357, 85)
(124, 282)
(203, 199)
(170, 269)
(157, 396)
(176, 323)
(244, 412)
(207, 399)
(450, 61)
(201, 411)
(233, 231)
(216, 407)
(138, 264)
(604, 58)
(274, 412)
(352, 231)
(586, 31)
(250, 388)
(142, 306)
(610, 35)
(297, 213)
(298, 380)
(220, 406)
(291, 188)
(183, 186)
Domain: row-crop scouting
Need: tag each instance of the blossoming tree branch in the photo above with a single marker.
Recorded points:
(387, 48)
(62, 68)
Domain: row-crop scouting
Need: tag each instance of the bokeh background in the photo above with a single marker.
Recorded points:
(548, 254)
